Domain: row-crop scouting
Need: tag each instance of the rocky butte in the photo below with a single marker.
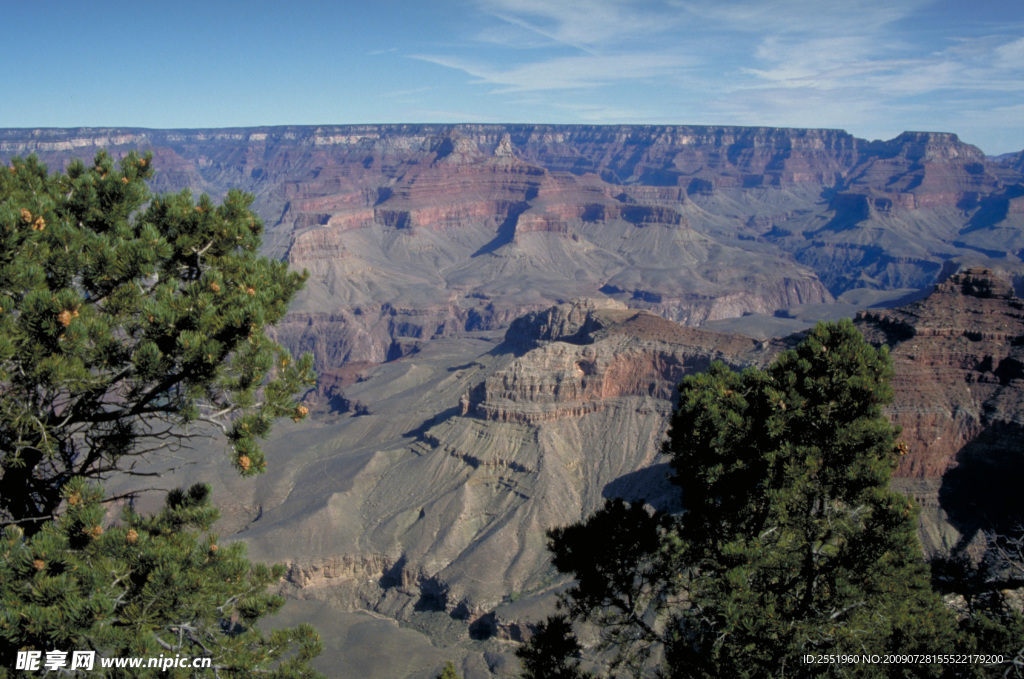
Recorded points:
(959, 361)
(500, 314)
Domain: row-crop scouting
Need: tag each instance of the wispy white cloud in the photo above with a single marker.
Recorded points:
(976, 65)
(803, 17)
(826, 63)
(574, 45)
(408, 94)
(564, 73)
(865, 65)
(585, 24)
(1010, 55)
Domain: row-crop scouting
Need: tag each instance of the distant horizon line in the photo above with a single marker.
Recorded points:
(463, 123)
(293, 126)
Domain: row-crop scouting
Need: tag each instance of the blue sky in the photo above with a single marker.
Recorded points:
(871, 67)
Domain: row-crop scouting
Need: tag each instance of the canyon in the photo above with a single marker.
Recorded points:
(429, 507)
(499, 315)
(418, 231)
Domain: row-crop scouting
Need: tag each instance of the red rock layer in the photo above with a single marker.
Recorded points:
(958, 357)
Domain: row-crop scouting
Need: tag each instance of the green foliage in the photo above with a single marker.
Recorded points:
(619, 558)
(994, 625)
(149, 586)
(792, 530)
(990, 594)
(791, 542)
(124, 317)
(448, 671)
(552, 652)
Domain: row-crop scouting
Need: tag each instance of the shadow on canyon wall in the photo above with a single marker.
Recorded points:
(650, 485)
(984, 493)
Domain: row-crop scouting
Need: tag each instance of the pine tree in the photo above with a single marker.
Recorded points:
(160, 586)
(124, 318)
(552, 652)
(989, 596)
(448, 671)
(797, 545)
(790, 543)
(622, 567)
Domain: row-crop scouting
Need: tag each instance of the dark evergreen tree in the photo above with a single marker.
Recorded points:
(791, 542)
(124, 317)
(989, 595)
(797, 544)
(552, 652)
(622, 560)
(145, 587)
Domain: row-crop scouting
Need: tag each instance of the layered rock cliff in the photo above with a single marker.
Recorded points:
(424, 496)
(429, 505)
(571, 407)
(589, 355)
(958, 356)
(419, 231)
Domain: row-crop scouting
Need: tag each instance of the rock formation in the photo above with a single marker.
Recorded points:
(428, 505)
(419, 231)
(569, 408)
(500, 313)
(959, 361)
